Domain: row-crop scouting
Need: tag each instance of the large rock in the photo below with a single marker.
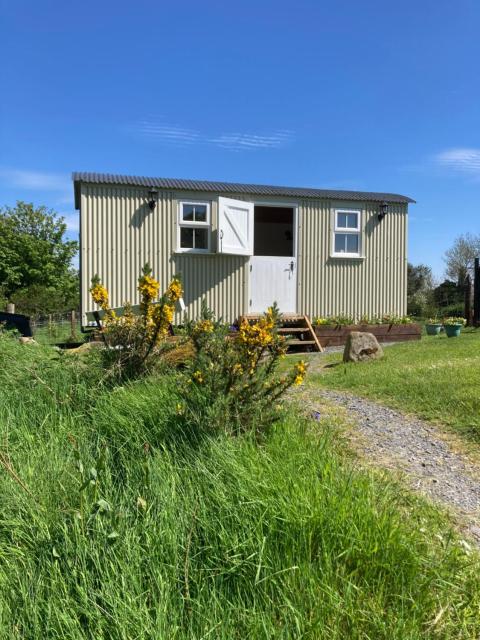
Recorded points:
(361, 346)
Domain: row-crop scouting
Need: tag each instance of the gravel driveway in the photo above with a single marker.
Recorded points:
(392, 440)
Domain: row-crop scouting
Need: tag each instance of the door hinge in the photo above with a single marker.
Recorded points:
(250, 303)
(250, 267)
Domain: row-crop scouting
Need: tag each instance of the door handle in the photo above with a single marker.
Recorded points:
(292, 265)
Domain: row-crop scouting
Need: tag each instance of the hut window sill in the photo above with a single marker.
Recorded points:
(347, 256)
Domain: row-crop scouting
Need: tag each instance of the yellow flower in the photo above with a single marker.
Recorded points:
(203, 326)
(100, 295)
(257, 335)
(110, 316)
(175, 290)
(198, 377)
(237, 369)
(162, 317)
(300, 370)
(180, 409)
(148, 288)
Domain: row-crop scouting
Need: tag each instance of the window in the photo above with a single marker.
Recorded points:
(194, 227)
(346, 236)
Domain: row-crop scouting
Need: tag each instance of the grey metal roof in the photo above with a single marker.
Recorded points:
(236, 188)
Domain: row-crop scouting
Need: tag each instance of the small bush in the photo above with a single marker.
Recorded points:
(232, 382)
(452, 310)
(133, 340)
(454, 320)
(344, 320)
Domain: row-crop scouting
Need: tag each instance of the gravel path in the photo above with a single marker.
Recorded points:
(392, 440)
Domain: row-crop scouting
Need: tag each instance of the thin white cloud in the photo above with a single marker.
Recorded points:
(239, 141)
(169, 133)
(466, 160)
(182, 136)
(34, 180)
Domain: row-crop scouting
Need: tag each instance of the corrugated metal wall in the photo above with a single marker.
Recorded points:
(119, 233)
(373, 285)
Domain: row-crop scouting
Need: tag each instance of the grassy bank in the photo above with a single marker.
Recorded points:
(438, 379)
(119, 522)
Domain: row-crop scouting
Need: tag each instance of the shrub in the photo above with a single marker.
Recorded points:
(454, 320)
(342, 320)
(232, 382)
(453, 310)
(339, 320)
(38, 299)
(133, 339)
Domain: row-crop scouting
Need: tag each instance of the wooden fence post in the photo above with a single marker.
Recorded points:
(73, 324)
(10, 307)
(476, 293)
(468, 299)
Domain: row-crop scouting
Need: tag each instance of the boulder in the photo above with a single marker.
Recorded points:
(85, 348)
(361, 346)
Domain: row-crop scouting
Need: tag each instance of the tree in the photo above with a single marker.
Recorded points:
(419, 288)
(448, 294)
(35, 256)
(461, 256)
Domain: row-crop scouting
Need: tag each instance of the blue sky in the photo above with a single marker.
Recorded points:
(372, 95)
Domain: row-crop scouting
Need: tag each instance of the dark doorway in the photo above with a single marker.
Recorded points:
(273, 231)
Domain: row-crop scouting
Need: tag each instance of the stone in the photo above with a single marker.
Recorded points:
(361, 346)
(85, 348)
(27, 340)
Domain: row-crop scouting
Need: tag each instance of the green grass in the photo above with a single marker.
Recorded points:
(437, 378)
(178, 535)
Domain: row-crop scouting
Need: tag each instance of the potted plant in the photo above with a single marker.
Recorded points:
(433, 327)
(453, 326)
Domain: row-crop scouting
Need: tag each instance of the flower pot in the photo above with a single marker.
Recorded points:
(433, 329)
(453, 330)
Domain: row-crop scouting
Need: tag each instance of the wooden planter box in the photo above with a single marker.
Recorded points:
(332, 336)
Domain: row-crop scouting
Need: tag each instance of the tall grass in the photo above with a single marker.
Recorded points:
(118, 521)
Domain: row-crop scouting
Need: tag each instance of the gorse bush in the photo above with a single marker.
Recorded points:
(232, 382)
(133, 340)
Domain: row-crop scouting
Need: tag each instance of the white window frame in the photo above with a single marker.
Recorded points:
(192, 224)
(349, 231)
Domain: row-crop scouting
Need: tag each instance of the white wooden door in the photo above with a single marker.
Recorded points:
(235, 227)
(273, 279)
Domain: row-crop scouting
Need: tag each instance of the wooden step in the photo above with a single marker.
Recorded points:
(285, 329)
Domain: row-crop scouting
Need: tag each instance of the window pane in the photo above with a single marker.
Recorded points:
(201, 239)
(347, 220)
(352, 243)
(200, 213)
(188, 212)
(352, 221)
(342, 220)
(340, 241)
(186, 238)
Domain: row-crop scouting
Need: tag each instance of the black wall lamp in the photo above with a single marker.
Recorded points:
(383, 210)
(152, 199)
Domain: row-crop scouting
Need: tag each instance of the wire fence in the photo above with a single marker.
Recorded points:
(57, 328)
